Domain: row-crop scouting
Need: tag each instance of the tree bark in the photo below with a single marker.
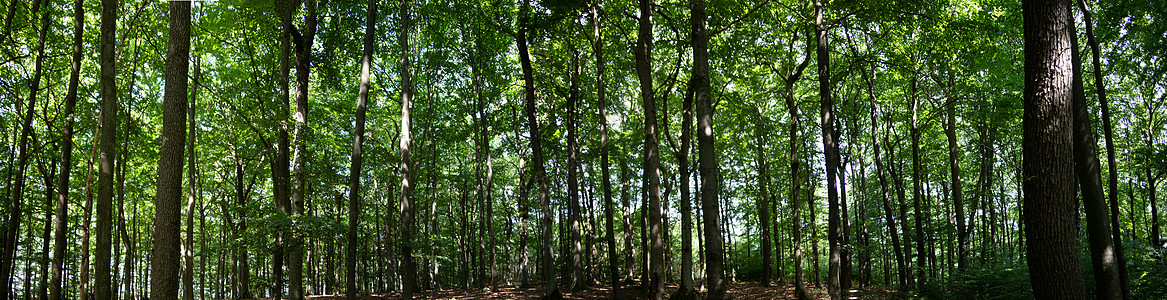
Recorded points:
(1086, 167)
(109, 109)
(61, 217)
(356, 158)
(1049, 208)
(714, 249)
(408, 271)
(1112, 182)
(164, 263)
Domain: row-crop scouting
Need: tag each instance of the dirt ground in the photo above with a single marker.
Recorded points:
(739, 291)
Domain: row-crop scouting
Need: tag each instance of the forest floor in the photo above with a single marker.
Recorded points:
(739, 291)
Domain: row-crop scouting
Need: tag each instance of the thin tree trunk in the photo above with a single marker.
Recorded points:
(14, 211)
(1086, 167)
(1052, 247)
(61, 217)
(917, 189)
(164, 263)
(188, 242)
(763, 197)
(609, 214)
(1100, 87)
(356, 158)
(578, 279)
(551, 288)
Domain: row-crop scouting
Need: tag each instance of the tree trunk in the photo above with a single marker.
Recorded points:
(551, 288)
(917, 189)
(279, 165)
(643, 53)
(795, 168)
(1049, 208)
(1100, 87)
(109, 109)
(714, 251)
(831, 150)
(164, 263)
(188, 242)
(957, 189)
(578, 279)
(14, 212)
(61, 217)
(408, 269)
(356, 158)
(763, 196)
(609, 222)
(303, 46)
(1086, 167)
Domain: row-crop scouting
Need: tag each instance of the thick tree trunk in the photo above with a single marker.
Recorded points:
(1112, 182)
(109, 109)
(1049, 208)
(714, 251)
(7, 259)
(1086, 167)
(831, 151)
(279, 165)
(356, 158)
(61, 217)
(407, 212)
(652, 160)
(164, 263)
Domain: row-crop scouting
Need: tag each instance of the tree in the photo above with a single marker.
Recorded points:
(303, 40)
(61, 217)
(831, 149)
(605, 174)
(165, 261)
(1112, 165)
(710, 207)
(1086, 167)
(539, 173)
(1052, 249)
(408, 283)
(354, 181)
(643, 52)
(7, 262)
